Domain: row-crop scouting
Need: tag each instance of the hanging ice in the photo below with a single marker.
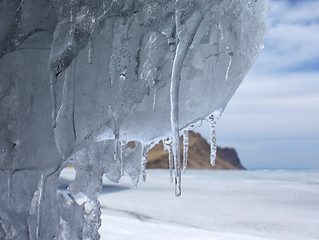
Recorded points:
(168, 147)
(212, 118)
(80, 79)
(144, 159)
(185, 149)
(213, 146)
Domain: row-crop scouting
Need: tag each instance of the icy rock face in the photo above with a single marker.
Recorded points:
(81, 80)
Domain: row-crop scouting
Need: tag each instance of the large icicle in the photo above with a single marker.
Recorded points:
(185, 40)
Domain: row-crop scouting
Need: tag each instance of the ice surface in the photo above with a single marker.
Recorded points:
(223, 205)
(80, 79)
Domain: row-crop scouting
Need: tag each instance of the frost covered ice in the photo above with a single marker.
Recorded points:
(80, 79)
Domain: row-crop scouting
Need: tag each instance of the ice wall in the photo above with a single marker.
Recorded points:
(95, 84)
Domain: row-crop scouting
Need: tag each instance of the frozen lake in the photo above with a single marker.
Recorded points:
(216, 205)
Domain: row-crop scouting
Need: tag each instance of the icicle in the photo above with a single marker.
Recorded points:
(181, 51)
(170, 163)
(229, 65)
(213, 147)
(90, 53)
(212, 118)
(185, 149)
(144, 159)
(154, 98)
(174, 97)
(168, 145)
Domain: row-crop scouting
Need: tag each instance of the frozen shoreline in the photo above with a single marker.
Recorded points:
(247, 205)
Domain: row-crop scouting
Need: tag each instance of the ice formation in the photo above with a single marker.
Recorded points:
(81, 80)
(185, 149)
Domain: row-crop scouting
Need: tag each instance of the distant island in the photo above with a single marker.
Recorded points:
(198, 155)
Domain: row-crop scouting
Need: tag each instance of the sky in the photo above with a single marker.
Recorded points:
(273, 118)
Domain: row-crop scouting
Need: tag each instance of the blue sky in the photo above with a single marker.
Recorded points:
(273, 119)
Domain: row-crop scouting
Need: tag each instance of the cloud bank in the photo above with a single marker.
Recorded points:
(273, 118)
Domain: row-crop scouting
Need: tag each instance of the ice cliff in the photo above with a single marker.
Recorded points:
(80, 79)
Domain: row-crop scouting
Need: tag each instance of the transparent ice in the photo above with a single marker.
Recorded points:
(80, 80)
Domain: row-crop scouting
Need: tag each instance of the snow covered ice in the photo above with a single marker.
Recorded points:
(241, 205)
(80, 79)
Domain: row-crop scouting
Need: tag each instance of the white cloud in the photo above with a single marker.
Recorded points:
(270, 86)
(273, 118)
(293, 36)
(300, 12)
